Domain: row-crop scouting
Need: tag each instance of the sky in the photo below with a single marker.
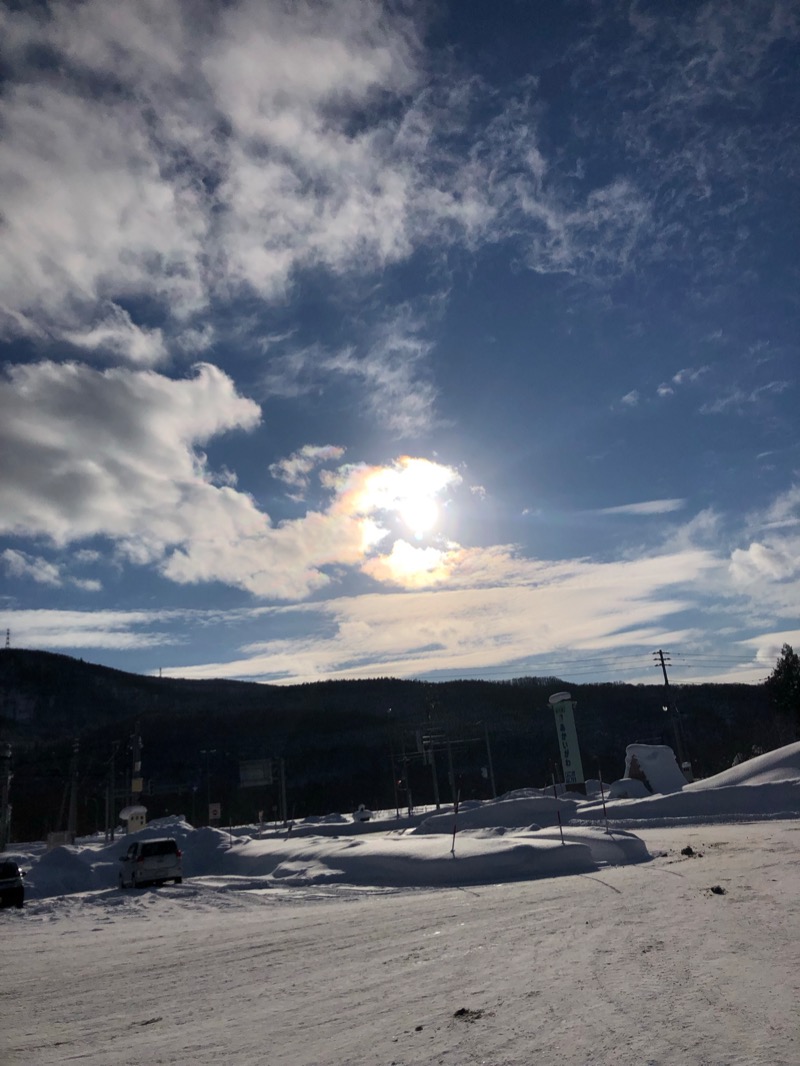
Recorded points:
(384, 942)
(401, 339)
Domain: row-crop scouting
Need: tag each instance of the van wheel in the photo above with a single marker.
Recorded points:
(178, 880)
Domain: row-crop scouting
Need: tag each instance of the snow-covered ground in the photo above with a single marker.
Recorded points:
(674, 938)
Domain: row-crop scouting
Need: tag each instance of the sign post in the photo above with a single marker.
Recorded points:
(564, 709)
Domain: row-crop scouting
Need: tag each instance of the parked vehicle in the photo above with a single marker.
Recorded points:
(151, 862)
(12, 890)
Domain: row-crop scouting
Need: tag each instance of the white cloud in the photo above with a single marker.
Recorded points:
(20, 564)
(763, 561)
(689, 374)
(646, 507)
(117, 335)
(179, 157)
(224, 153)
(116, 454)
(631, 399)
(768, 646)
(783, 512)
(295, 469)
(737, 400)
(68, 630)
(86, 453)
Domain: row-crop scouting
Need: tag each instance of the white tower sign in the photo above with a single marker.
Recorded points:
(564, 707)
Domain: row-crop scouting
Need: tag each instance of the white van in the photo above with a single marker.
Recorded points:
(151, 862)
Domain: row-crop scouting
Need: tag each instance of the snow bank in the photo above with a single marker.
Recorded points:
(516, 812)
(614, 848)
(775, 766)
(405, 862)
(628, 788)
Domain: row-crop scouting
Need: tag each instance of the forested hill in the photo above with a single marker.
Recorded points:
(341, 742)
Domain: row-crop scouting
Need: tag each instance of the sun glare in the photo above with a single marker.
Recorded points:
(408, 489)
(419, 513)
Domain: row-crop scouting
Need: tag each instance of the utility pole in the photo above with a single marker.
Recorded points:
(489, 759)
(72, 817)
(282, 768)
(451, 773)
(434, 775)
(671, 708)
(5, 787)
(111, 795)
(137, 784)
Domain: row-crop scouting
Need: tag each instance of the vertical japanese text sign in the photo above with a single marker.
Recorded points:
(563, 708)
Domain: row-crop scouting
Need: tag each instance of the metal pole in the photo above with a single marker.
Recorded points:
(5, 787)
(394, 786)
(603, 796)
(455, 822)
(489, 757)
(72, 817)
(558, 812)
(283, 790)
(434, 777)
(451, 772)
(136, 767)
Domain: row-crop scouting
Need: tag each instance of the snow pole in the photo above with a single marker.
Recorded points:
(603, 796)
(558, 812)
(455, 823)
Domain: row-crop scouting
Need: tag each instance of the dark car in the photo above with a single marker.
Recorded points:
(12, 890)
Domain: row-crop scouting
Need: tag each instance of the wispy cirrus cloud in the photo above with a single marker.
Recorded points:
(125, 630)
(646, 507)
(737, 400)
(524, 609)
(688, 375)
(685, 104)
(389, 369)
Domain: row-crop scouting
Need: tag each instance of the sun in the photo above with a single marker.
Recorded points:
(408, 492)
(419, 512)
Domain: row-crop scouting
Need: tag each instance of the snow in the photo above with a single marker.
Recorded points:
(674, 940)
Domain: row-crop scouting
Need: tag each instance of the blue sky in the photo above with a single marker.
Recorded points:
(419, 340)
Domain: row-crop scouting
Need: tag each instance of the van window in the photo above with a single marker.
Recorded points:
(159, 847)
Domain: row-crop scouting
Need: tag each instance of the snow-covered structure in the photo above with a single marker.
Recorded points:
(134, 817)
(655, 766)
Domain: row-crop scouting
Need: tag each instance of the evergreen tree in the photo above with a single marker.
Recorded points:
(783, 686)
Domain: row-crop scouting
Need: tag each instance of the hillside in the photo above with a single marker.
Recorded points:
(342, 742)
